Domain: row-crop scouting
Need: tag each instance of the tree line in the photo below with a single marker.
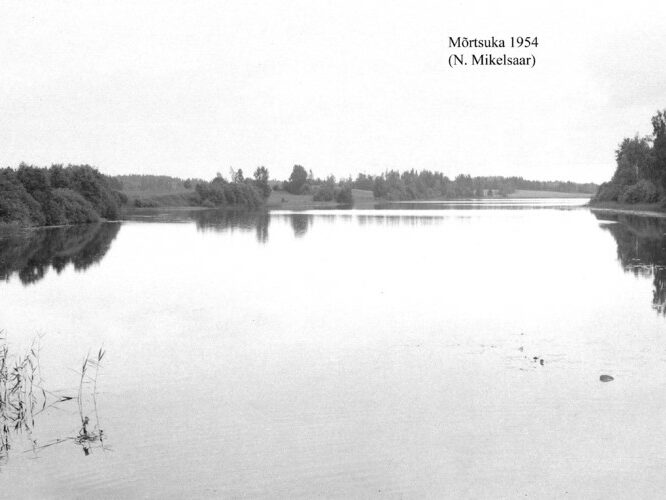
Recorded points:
(394, 185)
(80, 194)
(640, 174)
(38, 196)
(76, 194)
(391, 185)
(237, 192)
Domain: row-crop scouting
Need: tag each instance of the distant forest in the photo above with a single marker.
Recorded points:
(393, 185)
(151, 190)
(76, 194)
(640, 175)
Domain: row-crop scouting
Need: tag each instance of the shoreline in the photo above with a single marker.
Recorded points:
(640, 209)
(14, 227)
(362, 200)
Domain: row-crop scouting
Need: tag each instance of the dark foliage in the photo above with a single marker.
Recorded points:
(640, 175)
(426, 184)
(140, 203)
(343, 195)
(298, 181)
(325, 192)
(261, 181)
(221, 193)
(17, 206)
(36, 196)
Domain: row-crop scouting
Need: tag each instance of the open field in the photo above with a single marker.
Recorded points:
(166, 199)
(523, 193)
(288, 201)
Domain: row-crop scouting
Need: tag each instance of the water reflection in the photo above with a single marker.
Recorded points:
(394, 214)
(223, 221)
(30, 254)
(641, 249)
(300, 223)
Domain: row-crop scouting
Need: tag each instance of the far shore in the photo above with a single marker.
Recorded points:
(363, 199)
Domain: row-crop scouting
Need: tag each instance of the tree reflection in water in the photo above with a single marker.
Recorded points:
(233, 220)
(30, 254)
(641, 249)
(300, 223)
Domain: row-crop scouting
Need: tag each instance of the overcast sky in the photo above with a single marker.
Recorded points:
(193, 88)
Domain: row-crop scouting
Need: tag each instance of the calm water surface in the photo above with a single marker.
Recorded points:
(392, 352)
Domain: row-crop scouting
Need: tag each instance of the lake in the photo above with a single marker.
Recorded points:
(415, 350)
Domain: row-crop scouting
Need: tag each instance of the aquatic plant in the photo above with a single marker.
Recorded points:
(88, 436)
(21, 395)
(23, 398)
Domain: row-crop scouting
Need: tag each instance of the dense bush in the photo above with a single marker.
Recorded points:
(17, 206)
(325, 192)
(141, 203)
(220, 193)
(608, 192)
(93, 187)
(643, 191)
(65, 206)
(35, 196)
(344, 195)
(640, 174)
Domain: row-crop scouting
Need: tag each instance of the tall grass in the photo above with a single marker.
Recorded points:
(23, 398)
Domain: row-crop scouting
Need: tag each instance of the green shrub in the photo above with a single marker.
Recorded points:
(141, 203)
(69, 207)
(324, 193)
(344, 195)
(643, 191)
(35, 196)
(608, 191)
(17, 206)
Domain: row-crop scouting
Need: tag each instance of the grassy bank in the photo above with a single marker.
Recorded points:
(524, 193)
(288, 201)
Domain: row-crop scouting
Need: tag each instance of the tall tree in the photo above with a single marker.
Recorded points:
(297, 180)
(261, 181)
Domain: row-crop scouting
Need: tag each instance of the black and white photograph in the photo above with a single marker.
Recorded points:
(334, 249)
